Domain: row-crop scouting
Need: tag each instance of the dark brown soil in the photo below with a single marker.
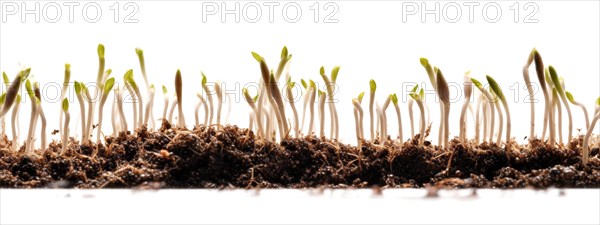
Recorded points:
(231, 157)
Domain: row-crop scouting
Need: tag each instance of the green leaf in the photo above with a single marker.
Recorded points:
(101, 51)
(422, 93)
(334, 73)
(495, 87)
(257, 57)
(284, 53)
(3, 98)
(203, 78)
(152, 87)
(291, 85)
(65, 105)
(414, 96)
(108, 72)
(77, 87)
(312, 83)
(25, 73)
(109, 85)
(29, 89)
(424, 62)
(570, 97)
(303, 82)
(360, 96)
(321, 93)
(372, 85)
(555, 80)
(67, 73)
(128, 77)
(598, 101)
(414, 90)
(164, 89)
(322, 71)
(477, 83)
(5, 77)
(394, 98)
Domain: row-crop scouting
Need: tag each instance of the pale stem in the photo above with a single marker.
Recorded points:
(82, 111)
(397, 108)
(14, 125)
(322, 115)
(65, 137)
(586, 139)
(410, 117)
(312, 110)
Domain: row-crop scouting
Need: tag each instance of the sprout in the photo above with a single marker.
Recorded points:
(586, 139)
(90, 116)
(561, 94)
(107, 88)
(444, 95)
(273, 94)
(585, 112)
(134, 89)
(468, 89)
(418, 97)
(285, 58)
(178, 92)
(78, 94)
(6, 79)
(219, 102)
(431, 74)
(38, 95)
(496, 89)
(119, 97)
(383, 132)
(358, 120)
(209, 96)
(493, 103)
(410, 111)
(13, 91)
(34, 114)
(556, 104)
(290, 99)
(201, 102)
(330, 85)
(394, 99)
(372, 88)
(140, 54)
(322, 96)
(65, 136)
(539, 67)
(477, 120)
(305, 98)
(529, 86)
(65, 86)
(166, 105)
(150, 105)
(313, 93)
(114, 114)
(14, 123)
(2, 99)
(101, 63)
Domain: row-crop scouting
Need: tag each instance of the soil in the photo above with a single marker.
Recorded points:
(232, 157)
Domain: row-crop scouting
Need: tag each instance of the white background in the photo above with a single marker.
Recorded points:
(369, 41)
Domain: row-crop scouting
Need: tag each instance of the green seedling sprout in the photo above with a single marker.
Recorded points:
(418, 97)
(539, 68)
(273, 94)
(372, 89)
(99, 82)
(496, 89)
(290, 99)
(149, 105)
(563, 97)
(13, 90)
(136, 97)
(178, 92)
(79, 95)
(106, 90)
(492, 103)
(219, 101)
(65, 86)
(410, 111)
(90, 116)
(305, 98)
(65, 136)
(431, 74)
(251, 102)
(529, 86)
(551, 116)
(208, 96)
(394, 99)
(119, 99)
(203, 103)
(6, 79)
(14, 123)
(444, 95)
(140, 54)
(330, 84)
(285, 59)
(166, 105)
(383, 132)
(38, 95)
(358, 117)
(468, 90)
(556, 104)
(172, 109)
(322, 96)
(34, 114)
(585, 112)
(588, 134)
(313, 93)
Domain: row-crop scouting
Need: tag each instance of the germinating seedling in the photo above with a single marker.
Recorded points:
(585, 112)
